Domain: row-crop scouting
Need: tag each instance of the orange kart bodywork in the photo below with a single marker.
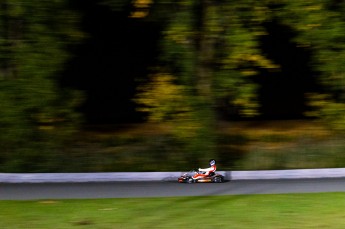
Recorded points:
(191, 178)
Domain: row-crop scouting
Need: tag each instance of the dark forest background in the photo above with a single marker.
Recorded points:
(122, 85)
(120, 49)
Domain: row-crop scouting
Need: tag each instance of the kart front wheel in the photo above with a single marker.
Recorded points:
(190, 180)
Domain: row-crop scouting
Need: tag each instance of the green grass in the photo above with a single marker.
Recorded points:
(261, 145)
(325, 210)
(243, 145)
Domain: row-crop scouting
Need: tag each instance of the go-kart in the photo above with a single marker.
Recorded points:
(211, 178)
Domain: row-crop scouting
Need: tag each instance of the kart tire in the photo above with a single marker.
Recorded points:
(190, 180)
(218, 180)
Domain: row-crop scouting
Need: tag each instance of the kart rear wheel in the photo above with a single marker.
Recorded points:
(217, 180)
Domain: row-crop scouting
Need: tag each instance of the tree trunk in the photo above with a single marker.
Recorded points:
(204, 102)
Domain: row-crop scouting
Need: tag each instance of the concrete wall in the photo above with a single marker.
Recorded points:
(165, 176)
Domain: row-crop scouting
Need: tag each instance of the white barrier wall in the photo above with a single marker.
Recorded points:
(165, 176)
(288, 174)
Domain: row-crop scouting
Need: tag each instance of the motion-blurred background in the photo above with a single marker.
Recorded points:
(163, 85)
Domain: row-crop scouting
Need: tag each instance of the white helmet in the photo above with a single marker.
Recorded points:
(212, 162)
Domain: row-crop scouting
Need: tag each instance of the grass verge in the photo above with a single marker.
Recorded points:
(322, 210)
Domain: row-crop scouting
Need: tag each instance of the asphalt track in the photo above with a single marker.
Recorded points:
(94, 190)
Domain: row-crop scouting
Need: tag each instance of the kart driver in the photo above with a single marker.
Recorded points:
(207, 171)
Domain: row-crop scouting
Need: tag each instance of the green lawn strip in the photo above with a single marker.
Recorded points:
(322, 210)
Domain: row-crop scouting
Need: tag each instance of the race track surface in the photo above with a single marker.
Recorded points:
(165, 189)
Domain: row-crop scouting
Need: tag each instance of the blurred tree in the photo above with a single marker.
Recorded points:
(211, 49)
(320, 28)
(36, 114)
